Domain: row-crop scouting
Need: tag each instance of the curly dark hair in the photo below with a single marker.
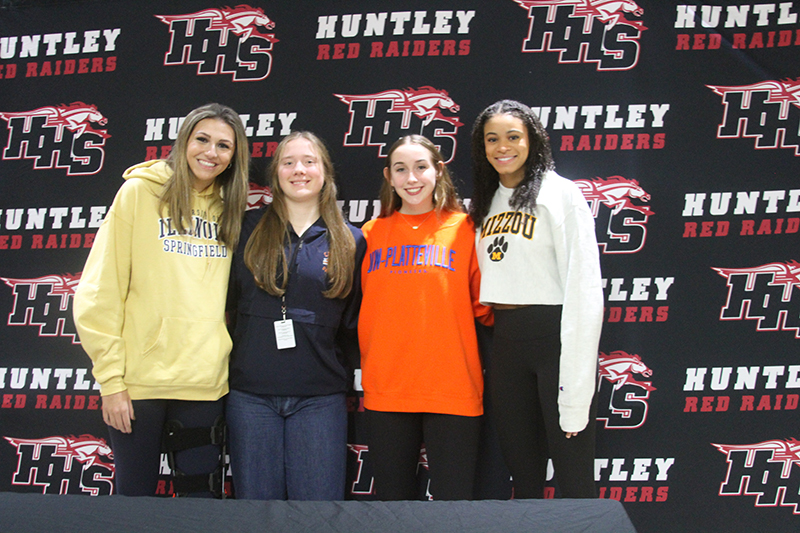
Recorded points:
(486, 178)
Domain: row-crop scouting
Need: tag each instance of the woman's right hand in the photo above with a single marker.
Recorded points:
(118, 411)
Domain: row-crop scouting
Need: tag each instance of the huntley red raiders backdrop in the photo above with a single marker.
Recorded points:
(680, 122)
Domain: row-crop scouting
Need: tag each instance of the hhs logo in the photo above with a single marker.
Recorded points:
(623, 219)
(58, 137)
(65, 465)
(44, 302)
(585, 31)
(765, 294)
(258, 195)
(627, 403)
(763, 470)
(222, 41)
(380, 119)
(768, 111)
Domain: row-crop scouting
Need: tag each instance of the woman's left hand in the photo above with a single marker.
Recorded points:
(118, 411)
(571, 434)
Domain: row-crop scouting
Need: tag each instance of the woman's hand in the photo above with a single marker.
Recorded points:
(118, 411)
(571, 434)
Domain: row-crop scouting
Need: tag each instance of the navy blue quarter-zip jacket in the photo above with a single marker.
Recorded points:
(316, 365)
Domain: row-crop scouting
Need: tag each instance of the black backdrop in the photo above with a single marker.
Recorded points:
(680, 122)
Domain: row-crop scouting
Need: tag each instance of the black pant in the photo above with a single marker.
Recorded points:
(523, 383)
(137, 455)
(451, 444)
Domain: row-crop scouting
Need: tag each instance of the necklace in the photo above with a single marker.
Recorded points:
(418, 225)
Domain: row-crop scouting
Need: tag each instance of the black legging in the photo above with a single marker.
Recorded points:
(523, 383)
(451, 444)
(137, 455)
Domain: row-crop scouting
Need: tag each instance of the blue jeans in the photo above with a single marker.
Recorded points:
(287, 447)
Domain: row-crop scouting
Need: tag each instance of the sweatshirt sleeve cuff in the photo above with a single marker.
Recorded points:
(573, 419)
(112, 386)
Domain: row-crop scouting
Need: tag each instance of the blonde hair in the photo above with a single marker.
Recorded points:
(265, 253)
(230, 186)
(445, 196)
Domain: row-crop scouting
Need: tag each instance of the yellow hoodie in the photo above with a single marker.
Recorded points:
(150, 306)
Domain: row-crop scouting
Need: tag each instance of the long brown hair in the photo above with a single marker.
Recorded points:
(230, 186)
(265, 253)
(445, 197)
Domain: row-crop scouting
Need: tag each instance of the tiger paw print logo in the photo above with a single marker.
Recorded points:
(497, 250)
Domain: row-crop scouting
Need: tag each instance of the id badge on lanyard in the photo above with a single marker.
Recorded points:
(284, 329)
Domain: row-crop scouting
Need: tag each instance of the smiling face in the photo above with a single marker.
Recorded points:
(209, 151)
(413, 175)
(300, 173)
(505, 139)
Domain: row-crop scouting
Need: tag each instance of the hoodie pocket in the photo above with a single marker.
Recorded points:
(186, 352)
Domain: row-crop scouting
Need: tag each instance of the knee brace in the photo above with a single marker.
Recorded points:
(177, 438)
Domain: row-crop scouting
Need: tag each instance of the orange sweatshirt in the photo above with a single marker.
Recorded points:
(416, 329)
